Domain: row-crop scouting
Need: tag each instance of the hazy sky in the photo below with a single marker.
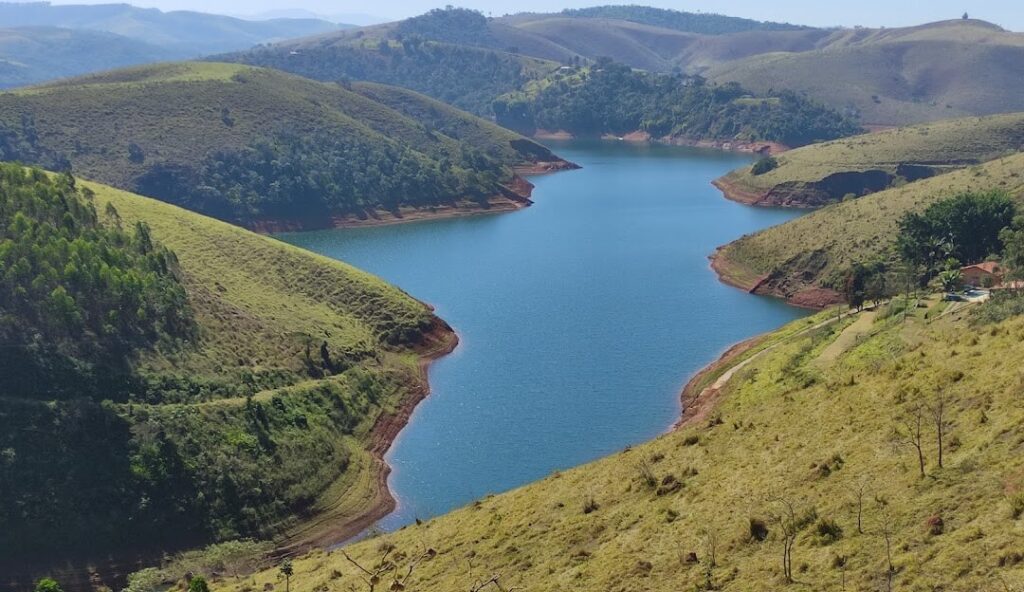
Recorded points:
(1008, 13)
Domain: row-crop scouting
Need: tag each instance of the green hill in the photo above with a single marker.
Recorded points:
(260, 147)
(803, 259)
(465, 76)
(187, 380)
(610, 98)
(36, 54)
(828, 172)
(798, 453)
(690, 22)
(899, 76)
(187, 34)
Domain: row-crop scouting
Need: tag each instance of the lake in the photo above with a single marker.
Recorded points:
(580, 318)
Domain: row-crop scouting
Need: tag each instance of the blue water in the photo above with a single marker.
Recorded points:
(580, 318)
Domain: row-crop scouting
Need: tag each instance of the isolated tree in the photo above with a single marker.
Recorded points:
(965, 16)
(374, 576)
(790, 528)
(198, 584)
(858, 492)
(287, 570)
(710, 540)
(48, 585)
(938, 410)
(910, 433)
(887, 531)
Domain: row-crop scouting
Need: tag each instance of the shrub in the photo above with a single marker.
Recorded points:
(828, 530)
(764, 165)
(936, 525)
(590, 505)
(758, 530)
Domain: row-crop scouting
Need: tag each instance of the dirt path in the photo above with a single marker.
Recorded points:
(849, 337)
(698, 406)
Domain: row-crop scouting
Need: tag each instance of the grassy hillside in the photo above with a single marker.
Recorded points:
(807, 253)
(828, 172)
(899, 76)
(35, 54)
(188, 34)
(255, 146)
(807, 445)
(690, 22)
(467, 77)
(252, 424)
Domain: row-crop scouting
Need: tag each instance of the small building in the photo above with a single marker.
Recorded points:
(987, 274)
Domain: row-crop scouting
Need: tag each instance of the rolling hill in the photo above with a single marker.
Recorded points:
(899, 76)
(881, 76)
(796, 460)
(802, 260)
(851, 167)
(263, 409)
(610, 99)
(263, 148)
(187, 34)
(30, 55)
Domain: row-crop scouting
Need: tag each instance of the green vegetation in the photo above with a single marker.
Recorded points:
(246, 420)
(689, 22)
(818, 249)
(612, 98)
(78, 298)
(844, 501)
(852, 167)
(895, 76)
(34, 54)
(966, 228)
(466, 77)
(252, 145)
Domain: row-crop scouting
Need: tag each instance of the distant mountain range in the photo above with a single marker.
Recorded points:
(882, 76)
(40, 41)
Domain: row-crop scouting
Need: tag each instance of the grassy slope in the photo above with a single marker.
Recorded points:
(85, 118)
(855, 230)
(259, 304)
(899, 76)
(783, 416)
(44, 53)
(435, 115)
(942, 145)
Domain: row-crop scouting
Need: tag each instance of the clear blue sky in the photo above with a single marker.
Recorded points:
(1008, 13)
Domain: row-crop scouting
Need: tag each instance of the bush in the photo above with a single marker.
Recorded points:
(828, 531)
(758, 530)
(764, 165)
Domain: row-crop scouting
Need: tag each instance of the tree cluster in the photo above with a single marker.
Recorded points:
(79, 297)
(613, 98)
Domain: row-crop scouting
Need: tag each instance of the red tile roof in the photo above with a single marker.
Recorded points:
(987, 266)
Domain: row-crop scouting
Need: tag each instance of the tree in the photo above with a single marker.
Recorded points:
(287, 570)
(965, 16)
(911, 434)
(198, 584)
(48, 585)
(950, 280)
(789, 526)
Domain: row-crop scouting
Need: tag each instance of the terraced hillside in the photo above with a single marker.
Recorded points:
(263, 148)
(799, 474)
(800, 259)
(262, 412)
(851, 167)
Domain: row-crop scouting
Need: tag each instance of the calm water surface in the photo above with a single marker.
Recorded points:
(581, 317)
